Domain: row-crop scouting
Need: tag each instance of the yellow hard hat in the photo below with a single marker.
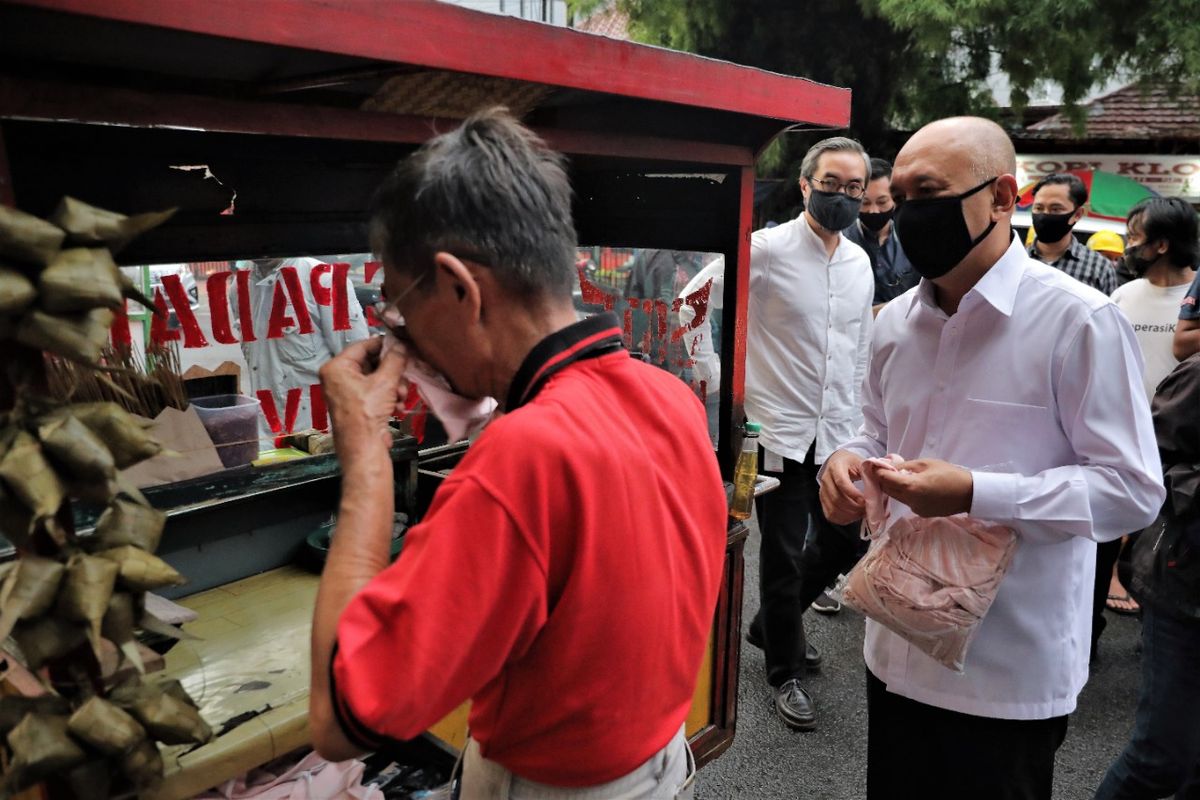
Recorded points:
(1107, 241)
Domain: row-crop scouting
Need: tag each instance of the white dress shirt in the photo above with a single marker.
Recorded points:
(807, 340)
(1035, 385)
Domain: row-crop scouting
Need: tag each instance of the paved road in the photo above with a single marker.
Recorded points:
(769, 761)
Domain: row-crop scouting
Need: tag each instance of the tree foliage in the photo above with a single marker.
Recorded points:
(1076, 44)
(910, 61)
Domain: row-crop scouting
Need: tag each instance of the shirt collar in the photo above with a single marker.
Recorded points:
(997, 287)
(588, 338)
(812, 240)
(1071, 252)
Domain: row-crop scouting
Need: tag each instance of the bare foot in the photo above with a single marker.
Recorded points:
(1119, 601)
(1121, 604)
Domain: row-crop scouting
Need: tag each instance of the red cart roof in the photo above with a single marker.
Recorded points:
(418, 58)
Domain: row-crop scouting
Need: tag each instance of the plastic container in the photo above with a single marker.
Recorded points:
(744, 474)
(232, 423)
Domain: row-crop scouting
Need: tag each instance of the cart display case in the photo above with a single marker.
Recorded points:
(268, 125)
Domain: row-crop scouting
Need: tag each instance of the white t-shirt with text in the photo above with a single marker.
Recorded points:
(1153, 311)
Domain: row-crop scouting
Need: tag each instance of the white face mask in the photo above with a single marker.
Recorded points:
(462, 417)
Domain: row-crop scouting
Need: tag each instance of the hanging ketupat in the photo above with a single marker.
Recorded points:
(62, 302)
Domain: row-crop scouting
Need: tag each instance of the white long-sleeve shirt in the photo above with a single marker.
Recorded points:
(807, 340)
(1035, 385)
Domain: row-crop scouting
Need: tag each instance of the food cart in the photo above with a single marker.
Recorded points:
(268, 124)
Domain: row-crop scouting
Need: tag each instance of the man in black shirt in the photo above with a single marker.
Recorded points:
(873, 232)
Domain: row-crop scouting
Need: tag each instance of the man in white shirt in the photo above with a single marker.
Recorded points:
(294, 334)
(1162, 250)
(1016, 391)
(808, 334)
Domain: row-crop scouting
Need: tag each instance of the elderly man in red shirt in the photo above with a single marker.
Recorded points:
(565, 576)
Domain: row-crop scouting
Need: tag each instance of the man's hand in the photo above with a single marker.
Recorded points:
(363, 388)
(931, 488)
(841, 500)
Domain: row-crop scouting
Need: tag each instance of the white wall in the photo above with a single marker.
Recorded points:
(552, 11)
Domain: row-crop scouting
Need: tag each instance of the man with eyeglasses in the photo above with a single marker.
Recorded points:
(564, 578)
(809, 328)
(874, 232)
(1014, 394)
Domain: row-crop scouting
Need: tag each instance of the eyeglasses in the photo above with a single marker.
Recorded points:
(852, 189)
(388, 311)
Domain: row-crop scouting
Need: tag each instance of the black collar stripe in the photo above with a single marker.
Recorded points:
(588, 338)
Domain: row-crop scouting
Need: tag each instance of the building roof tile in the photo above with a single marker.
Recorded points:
(1132, 112)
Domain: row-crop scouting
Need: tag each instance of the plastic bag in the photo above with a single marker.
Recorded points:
(929, 580)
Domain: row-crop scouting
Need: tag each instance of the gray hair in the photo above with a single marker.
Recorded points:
(808, 167)
(489, 191)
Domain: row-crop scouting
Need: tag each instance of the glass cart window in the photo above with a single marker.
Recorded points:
(669, 305)
(248, 338)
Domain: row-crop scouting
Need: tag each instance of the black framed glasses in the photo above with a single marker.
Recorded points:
(852, 189)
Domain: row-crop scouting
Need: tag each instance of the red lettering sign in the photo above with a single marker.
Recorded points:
(160, 331)
(295, 293)
(321, 293)
(244, 316)
(119, 332)
(341, 298)
(217, 289)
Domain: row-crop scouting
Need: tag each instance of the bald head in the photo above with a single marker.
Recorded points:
(965, 159)
(974, 144)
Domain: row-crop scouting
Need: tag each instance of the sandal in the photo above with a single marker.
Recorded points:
(1129, 609)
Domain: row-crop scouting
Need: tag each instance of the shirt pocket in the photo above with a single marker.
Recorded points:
(996, 432)
(298, 349)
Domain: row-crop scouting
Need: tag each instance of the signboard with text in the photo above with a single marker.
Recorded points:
(1169, 176)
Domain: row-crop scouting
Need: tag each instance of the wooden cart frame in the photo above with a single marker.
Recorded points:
(301, 106)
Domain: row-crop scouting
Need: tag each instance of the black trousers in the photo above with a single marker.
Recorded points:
(1116, 552)
(918, 751)
(790, 575)
(1106, 558)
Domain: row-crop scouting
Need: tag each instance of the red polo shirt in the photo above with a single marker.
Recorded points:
(564, 577)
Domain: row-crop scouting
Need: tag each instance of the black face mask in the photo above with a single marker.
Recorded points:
(875, 220)
(1134, 264)
(934, 232)
(1052, 228)
(833, 211)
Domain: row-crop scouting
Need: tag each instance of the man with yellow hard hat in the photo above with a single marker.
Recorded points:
(1111, 245)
